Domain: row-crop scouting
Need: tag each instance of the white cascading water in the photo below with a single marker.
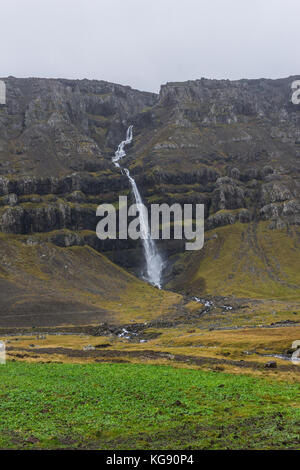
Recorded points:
(154, 263)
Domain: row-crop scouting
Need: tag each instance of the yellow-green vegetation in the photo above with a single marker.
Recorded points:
(263, 340)
(112, 406)
(243, 351)
(244, 260)
(71, 285)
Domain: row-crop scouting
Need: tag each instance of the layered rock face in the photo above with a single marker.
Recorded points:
(52, 126)
(56, 142)
(234, 146)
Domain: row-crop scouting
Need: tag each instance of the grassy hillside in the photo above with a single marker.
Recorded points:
(47, 285)
(244, 260)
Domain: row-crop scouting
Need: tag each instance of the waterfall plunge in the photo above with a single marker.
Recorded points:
(154, 263)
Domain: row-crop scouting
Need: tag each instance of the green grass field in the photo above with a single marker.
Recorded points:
(131, 406)
(243, 260)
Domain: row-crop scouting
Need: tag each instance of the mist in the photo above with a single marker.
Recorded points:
(145, 43)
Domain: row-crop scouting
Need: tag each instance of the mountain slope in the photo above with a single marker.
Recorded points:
(243, 260)
(232, 145)
(45, 285)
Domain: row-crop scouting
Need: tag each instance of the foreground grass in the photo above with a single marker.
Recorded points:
(130, 406)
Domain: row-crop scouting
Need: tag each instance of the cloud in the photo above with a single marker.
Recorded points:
(144, 43)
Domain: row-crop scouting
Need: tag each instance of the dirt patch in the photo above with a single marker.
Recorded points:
(112, 354)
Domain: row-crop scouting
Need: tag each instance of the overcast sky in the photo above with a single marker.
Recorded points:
(144, 43)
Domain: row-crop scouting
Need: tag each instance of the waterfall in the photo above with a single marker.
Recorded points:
(154, 262)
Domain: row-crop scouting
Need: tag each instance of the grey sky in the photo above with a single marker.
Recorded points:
(144, 43)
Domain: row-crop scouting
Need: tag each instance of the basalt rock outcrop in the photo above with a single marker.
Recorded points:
(231, 145)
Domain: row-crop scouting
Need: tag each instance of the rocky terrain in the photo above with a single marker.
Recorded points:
(232, 145)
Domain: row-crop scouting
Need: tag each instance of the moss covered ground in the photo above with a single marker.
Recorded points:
(113, 406)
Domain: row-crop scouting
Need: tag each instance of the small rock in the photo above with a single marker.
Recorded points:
(271, 364)
(89, 347)
(41, 337)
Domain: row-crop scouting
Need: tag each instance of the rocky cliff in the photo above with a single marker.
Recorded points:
(232, 145)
